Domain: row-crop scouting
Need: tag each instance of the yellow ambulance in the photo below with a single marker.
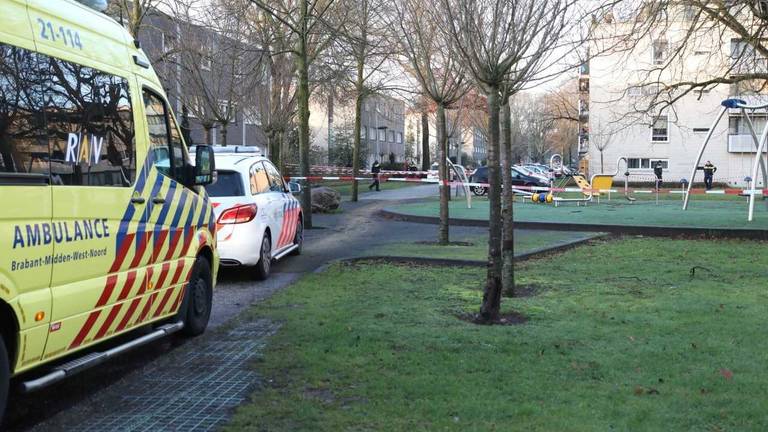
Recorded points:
(104, 223)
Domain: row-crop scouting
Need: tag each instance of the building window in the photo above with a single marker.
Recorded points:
(391, 136)
(737, 125)
(399, 137)
(382, 135)
(363, 132)
(660, 51)
(635, 91)
(372, 133)
(660, 129)
(700, 130)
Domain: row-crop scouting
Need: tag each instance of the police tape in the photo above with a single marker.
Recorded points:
(728, 191)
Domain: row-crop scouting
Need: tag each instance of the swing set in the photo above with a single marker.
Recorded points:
(747, 111)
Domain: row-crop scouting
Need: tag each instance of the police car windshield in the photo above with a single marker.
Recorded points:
(228, 184)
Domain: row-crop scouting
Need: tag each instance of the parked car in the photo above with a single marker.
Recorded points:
(480, 175)
(258, 220)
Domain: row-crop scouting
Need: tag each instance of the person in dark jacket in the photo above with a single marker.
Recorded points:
(657, 170)
(375, 170)
(709, 174)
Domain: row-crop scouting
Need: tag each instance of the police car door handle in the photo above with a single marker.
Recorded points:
(158, 200)
(138, 200)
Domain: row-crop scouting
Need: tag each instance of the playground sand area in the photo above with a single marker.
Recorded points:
(726, 213)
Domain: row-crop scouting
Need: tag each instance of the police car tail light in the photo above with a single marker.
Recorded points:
(239, 214)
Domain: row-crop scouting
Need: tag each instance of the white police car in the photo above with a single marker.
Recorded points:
(258, 219)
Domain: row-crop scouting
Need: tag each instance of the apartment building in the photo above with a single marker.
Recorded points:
(159, 38)
(382, 129)
(618, 86)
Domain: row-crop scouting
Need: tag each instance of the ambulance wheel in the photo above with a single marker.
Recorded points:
(263, 267)
(196, 307)
(298, 239)
(5, 377)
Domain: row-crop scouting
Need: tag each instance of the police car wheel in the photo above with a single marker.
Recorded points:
(5, 376)
(263, 267)
(298, 239)
(196, 308)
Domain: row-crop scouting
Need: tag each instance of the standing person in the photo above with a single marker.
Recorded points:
(709, 174)
(657, 170)
(375, 170)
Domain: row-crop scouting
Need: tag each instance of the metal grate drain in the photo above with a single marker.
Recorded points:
(195, 393)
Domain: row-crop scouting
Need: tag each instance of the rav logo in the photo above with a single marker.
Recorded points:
(80, 149)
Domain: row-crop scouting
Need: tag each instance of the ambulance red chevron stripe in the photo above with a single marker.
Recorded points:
(139, 242)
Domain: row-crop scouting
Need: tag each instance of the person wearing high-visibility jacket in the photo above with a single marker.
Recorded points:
(709, 174)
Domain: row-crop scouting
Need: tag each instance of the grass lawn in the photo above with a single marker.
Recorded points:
(345, 187)
(619, 337)
(704, 213)
(476, 248)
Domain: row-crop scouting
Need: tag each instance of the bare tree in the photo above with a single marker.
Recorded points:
(219, 72)
(431, 62)
(365, 40)
(314, 24)
(503, 43)
(132, 13)
(601, 137)
(277, 106)
(692, 47)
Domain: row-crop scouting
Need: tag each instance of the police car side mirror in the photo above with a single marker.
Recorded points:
(294, 187)
(205, 165)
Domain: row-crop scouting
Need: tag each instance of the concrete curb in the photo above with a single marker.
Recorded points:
(448, 262)
(724, 233)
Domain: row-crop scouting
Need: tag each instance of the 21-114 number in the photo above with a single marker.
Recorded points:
(68, 36)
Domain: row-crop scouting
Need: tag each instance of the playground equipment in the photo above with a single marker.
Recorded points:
(597, 184)
(461, 175)
(760, 144)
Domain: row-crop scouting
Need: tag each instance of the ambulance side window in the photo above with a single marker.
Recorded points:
(89, 121)
(166, 147)
(23, 146)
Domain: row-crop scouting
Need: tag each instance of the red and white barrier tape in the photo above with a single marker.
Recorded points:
(730, 191)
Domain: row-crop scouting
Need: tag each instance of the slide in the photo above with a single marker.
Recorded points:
(582, 183)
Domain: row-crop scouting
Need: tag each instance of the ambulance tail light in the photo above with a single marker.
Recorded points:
(238, 214)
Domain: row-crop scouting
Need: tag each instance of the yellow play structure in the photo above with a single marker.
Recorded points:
(590, 189)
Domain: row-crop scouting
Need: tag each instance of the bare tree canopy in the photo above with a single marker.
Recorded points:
(687, 47)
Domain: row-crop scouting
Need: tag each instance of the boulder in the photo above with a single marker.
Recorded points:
(325, 199)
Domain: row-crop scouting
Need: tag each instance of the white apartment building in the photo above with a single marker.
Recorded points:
(619, 84)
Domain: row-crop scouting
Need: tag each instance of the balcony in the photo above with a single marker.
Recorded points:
(741, 144)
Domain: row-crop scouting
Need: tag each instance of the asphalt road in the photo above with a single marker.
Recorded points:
(194, 384)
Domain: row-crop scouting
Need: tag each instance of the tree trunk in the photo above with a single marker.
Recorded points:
(358, 125)
(280, 145)
(224, 133)
(425, 162)
(602, 168)
(443, 175)
(208, 133)
(508, 246)
(303, 107)
(273, 143)
(489, 311)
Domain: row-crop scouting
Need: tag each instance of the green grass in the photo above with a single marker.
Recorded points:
(708, 213)
(476, 248)
(619, 337)
(345, 187)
